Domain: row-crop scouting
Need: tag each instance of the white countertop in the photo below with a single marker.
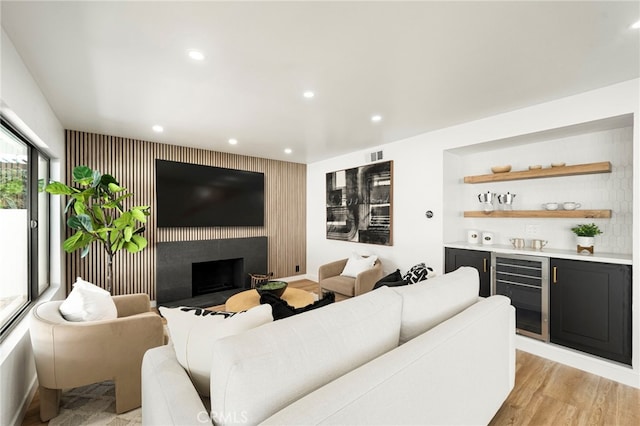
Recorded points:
(619, 258)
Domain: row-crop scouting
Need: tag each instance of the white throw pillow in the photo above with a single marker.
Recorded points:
(357, 264)
(194, 330)
(88, 302)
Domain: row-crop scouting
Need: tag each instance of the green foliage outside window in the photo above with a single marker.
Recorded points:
(13, 194)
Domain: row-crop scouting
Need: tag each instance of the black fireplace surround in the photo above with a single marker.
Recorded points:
(206, 273)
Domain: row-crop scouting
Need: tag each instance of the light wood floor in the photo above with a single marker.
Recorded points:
(545, 393)
(548, 393)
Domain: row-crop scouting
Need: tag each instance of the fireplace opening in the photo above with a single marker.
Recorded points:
(216, 275)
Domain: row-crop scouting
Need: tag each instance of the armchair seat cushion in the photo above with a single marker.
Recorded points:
(339, 284)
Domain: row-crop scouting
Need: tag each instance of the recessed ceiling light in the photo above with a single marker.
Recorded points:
(233, 141)
(158, 129)
(636, 26)
(288, 151)
(196, 55)
(308, 94)
(376, 118)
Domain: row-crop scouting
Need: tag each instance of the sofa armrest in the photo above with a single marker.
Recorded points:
(132, 304)
(331, 269)
(168, 396)
(469, 358)
(367, 279)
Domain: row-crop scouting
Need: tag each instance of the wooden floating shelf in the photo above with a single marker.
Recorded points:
(578, 169)
(583, 214)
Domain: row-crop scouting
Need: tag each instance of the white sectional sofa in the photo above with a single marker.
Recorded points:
(428, 353)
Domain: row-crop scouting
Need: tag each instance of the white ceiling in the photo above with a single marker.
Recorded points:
(120, 67)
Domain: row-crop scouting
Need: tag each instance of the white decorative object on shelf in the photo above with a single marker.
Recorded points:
(487, 238)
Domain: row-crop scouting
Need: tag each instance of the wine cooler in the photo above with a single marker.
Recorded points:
(525, 280)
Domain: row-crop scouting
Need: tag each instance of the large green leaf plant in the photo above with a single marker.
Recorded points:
(98, 215)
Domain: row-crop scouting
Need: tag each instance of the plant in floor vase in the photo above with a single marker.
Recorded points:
(98, 216)
(585, 236)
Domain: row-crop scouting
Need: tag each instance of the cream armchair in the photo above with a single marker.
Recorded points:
(329, 278)
(72, 354)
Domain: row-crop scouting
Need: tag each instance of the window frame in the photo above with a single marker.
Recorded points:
(34, 154)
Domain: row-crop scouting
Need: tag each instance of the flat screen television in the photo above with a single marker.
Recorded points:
(190, 195)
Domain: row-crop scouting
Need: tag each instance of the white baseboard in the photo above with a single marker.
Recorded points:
(294, 278)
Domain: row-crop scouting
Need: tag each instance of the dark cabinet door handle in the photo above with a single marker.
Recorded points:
(555, 274)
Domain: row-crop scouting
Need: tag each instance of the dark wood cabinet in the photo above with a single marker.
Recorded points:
(481, 260)
(590, 308)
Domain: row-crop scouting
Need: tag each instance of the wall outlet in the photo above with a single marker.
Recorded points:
(532, 231)
(297, 268)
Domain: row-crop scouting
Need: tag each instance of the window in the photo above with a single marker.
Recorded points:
(24, 225)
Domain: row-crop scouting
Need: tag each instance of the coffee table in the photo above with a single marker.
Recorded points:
(250, 298)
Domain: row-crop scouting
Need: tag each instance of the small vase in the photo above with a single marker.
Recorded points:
(585, 244)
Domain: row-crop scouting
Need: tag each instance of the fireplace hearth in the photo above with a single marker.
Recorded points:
(206, 273)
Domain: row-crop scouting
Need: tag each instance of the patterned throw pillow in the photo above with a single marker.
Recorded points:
(417, 273)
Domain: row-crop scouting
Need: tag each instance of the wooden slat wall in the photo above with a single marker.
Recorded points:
(132, 162)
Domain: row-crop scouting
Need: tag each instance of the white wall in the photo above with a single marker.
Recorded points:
(419, 182)
(25, 106)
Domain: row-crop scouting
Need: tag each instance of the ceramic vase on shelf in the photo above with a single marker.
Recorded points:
(585, 244)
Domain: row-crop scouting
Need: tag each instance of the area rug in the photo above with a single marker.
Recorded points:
(93, 405)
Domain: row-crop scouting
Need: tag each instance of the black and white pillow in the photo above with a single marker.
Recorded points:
(417, 273)
(201, 312)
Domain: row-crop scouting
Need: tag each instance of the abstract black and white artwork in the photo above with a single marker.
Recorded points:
(360, 204)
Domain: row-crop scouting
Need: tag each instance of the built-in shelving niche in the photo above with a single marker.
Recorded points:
(466, 174)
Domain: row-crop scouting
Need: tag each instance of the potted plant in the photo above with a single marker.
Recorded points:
(585, 236)
(98, 216)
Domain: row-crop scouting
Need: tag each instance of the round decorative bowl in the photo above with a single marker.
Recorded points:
(276, 288)
(501, 169)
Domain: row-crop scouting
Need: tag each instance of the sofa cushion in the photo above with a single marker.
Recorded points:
(260, 371)
(357, 264)
(88, 302)
(168, 396)
(428, 303)
(458, 373)
(194, 330)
